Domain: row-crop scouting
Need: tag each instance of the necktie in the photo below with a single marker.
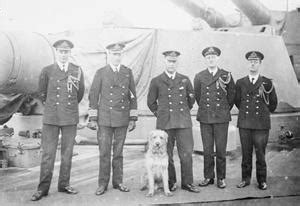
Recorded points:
(212, 74)
(252, 80)
(64, 67)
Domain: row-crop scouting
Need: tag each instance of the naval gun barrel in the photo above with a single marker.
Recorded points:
(22, 57)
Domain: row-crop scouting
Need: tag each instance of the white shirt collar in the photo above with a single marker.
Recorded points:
(115, 68)
(171, 76)
(213, 71)
(63, 67)
(254, 77)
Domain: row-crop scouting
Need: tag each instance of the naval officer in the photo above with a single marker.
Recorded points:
(113, 110)
(256, 99)
(61, 86)
(214, 93)
(170, 98)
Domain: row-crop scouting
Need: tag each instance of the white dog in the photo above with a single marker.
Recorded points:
(156, 163)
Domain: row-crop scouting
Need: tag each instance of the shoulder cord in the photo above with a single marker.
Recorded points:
(74, 81)
(222, 83)
(264, 93)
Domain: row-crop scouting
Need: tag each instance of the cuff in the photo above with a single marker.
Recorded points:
(133, 114)
(93, 114)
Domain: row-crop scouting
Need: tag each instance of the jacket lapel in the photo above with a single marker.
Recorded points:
(208, 79)
(165, 79)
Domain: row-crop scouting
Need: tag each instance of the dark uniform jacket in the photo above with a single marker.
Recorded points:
(214, 95)
(61, 103)
(171, 101)
(113, 94)
(255, 102)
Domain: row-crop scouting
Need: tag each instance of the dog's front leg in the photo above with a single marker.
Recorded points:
(165, 176)
(151, 182)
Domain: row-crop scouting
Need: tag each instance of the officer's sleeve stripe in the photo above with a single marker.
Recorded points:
(133, 112)
(93, 113)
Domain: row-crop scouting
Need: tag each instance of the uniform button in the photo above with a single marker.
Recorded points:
(207, 105)
(247, 95)
(207, 87)
(218, 92)
(110, 108)
(58, 88)
(111, 93)
(257, 101)
(170, 110)
(57, 80)
(69, 96)
(218, 105)
(69, 103)
(180, 102)
(170, 102)
(257, 95)
(256, 113)
(247, 112)
(257, 107)
(207, 93)
(122, 100)
(111, 87)
(247, 100)
(123, 94)
(57, 95)
(57, 103)
(169, 89)
(181, 109)
(207, 99)
(123, 87)
(180, 95)
(123, 107)
(169, 95)
(247, 106)
(110, 100)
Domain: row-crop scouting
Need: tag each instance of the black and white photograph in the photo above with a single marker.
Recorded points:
(149, 102)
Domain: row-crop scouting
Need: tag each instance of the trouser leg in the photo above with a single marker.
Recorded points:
(67, 144)
(247, 150)
(49, 146)
(170, 148)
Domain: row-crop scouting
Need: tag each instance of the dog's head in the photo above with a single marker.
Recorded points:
(157, 140)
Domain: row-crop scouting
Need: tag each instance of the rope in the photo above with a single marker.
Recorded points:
(222, 83)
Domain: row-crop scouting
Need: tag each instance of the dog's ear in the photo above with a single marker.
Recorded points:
(151, 135)
(165, 135)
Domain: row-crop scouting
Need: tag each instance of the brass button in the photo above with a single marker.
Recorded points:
(257, 107)
(207, 105)
(207, 87)
(123, 94)
(247, 95)
(110, 108)
(57, 80)
(247, 100)
(57, 95)
(247, 106)
(180, 95)
(218, 105)
(58, 88)
(181, 102)
(171, 110)
(110, 100)
(218, 92)
(111, 93)
(207, 99)
(169, 89)
(69, 96)
(181, 109)
(170, 102)
(256, 113)
(111, 87)
(57, 103)
(207, 93)
(247, 112)
(69, 103)
(123, 107)
(218, 99)
(123, 87)
(169, 95)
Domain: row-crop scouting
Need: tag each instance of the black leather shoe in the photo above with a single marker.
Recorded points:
(190, 188)
(242, 184)
(38, 195)
(68, 190)
(172, 187)
(206, 182)
(100, 190)
(221, 183)
(121, 187)
(262, 186)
